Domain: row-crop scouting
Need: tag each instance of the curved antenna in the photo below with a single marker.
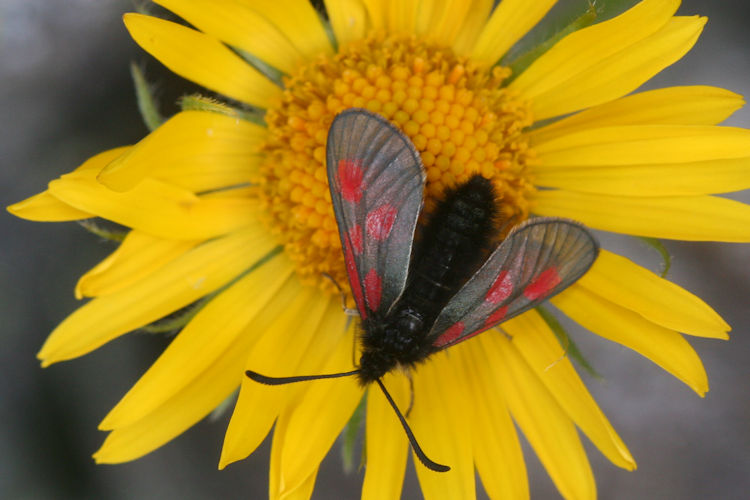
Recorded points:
(263, 379)
(434, 466)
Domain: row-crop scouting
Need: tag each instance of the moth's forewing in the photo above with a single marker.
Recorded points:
(376, 180)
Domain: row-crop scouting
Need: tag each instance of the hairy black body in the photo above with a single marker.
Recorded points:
(419, 296)
(453, 245)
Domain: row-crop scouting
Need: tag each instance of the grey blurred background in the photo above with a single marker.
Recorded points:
(65, 94)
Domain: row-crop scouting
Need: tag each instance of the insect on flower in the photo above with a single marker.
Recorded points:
(415, 303)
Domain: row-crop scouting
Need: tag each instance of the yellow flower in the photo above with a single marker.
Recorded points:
(238, 212)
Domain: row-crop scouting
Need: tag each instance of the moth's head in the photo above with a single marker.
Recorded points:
(373, 364)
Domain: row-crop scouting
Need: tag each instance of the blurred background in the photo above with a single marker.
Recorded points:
(66, 93)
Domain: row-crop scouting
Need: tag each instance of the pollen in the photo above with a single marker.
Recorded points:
(458, 115)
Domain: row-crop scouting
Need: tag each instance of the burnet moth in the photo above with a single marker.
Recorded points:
(413, 302)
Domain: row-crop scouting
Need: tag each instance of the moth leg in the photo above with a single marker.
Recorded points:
(347, 311)
(411, 394)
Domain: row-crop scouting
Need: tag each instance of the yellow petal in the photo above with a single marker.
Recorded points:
(663, 346)
(644, 145)
(693, 218)
(602, 80)
(317, 324)
(663, 179)
(44, 207)
(195, 150)
(633, 287)
(180, 412)
(542, 351)
(586, 47)
(441, 420)
(99, 161)
(401, 15)
(376, 12)
(472, 26)
(186, 407)
(497, 451)
(443, 22)
(317, 419)
(348, 19)
(209, 336)
(511, 20)
(298, 21)
(157, 208)
(545, 424)
(175, 285)
(691, 105)
(425, 14)
(305, 490)
(241, 27)
(386, 444)
(213, 168)
(202, 59)
(137, 257)
(292, 298)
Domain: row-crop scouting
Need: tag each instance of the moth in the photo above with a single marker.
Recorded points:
(417, 298)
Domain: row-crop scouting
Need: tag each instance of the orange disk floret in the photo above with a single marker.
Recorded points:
(458, 115)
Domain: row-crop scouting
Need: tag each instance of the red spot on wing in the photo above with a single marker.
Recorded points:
(373, 289)
(351, 270)
(350, 174)
(355, 236)
(452, 333)
(496, 317)
(380, 221)
(500, 289)
(542, 284)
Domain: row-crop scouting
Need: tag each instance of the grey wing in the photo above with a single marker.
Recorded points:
(376, 180)
(538, 259)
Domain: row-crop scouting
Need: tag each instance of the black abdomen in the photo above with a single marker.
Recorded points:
(453, 244)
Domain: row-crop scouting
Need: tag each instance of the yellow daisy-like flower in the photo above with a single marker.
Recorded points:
(238, 213)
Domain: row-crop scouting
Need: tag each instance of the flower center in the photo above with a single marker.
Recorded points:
(457, 114)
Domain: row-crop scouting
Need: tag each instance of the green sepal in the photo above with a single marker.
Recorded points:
(225, 405)
(199, 102)
(608, 9)
(273, 74)
(178, 319)
(143, 7)
(657, 245)
(350, 433)
(570, 347)
(91, 226)
(148, 105)
(325, 21)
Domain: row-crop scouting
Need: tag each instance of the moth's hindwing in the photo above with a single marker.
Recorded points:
(537, 260)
